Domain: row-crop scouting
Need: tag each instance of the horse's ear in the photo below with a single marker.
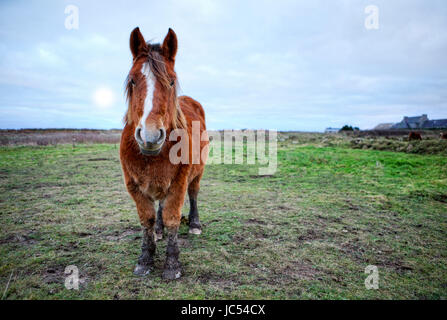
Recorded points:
(170, 45)
(137, 43)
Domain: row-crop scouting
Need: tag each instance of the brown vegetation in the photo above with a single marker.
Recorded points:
(43, 137)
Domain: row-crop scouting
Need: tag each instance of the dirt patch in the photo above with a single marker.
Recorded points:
(388, 261)
(441, 197)
(84, 234)
(285, 208)
(354, 250)
(437, 196)
(241, 240)
(223, 282)
(383, 258)
(256, 176)
(299, 270)
(54, 274)
(99, 159)
(184, 242)
(257, 230)
(211, 221)
(312, 234)
(18, 238)
(330, 218)
(293, 271)
(238, 238)
(351, 206)
(255, 221)
(129, 235)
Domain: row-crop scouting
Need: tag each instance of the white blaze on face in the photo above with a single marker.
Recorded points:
(150, 85)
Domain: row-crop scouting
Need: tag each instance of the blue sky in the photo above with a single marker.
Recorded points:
(286, 65)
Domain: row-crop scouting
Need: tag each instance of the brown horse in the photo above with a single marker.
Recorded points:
(443, 135)
(414, 136)
(154, 112)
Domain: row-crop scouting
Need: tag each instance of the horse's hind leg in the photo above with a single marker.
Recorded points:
(159, 222)
(193, 190)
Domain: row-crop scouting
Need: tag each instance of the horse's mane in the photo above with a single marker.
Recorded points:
(157, 66)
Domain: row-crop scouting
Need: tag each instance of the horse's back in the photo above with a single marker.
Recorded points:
(192, 110)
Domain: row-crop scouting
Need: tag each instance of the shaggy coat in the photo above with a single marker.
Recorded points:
(154, 110)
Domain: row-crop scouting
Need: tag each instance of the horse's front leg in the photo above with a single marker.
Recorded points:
(146, 213)
(146, 260)
(172, 213)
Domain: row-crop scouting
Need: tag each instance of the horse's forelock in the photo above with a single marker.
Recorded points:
(154, 60)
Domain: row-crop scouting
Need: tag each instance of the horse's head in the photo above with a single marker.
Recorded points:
(151, 88)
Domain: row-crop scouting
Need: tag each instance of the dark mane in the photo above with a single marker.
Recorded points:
(154, 60)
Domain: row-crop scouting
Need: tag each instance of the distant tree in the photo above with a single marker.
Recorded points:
(347, 128)
(356, 129)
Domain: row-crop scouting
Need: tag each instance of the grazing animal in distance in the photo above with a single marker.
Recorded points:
(154, 112)
(443, 135)
(414, 136)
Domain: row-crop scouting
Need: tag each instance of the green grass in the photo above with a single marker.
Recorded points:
(308, 232)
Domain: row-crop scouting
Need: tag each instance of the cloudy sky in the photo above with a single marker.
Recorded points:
(287, 65)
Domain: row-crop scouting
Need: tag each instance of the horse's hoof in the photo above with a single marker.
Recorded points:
(158, 236)
(196, 231)
(172, 274)
(142, 270)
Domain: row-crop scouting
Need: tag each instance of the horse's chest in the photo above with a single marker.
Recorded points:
(154, 189)
(154, 181)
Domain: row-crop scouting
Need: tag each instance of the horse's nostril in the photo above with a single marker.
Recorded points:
(162, 134)
(138, 135)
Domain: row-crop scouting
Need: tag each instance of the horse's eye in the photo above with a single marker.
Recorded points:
(132, 82)
(172, 83)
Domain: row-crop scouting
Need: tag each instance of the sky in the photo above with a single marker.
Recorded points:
(285, 65)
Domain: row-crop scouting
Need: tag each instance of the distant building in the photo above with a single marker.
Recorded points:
(421, 122)
(435, 124)
(383, 126)
(331, 130)
(411, 122)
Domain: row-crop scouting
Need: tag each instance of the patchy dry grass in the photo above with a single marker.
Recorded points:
(308, 232)
(45, 137)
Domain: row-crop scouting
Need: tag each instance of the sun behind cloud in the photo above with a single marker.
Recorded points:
(104, 97)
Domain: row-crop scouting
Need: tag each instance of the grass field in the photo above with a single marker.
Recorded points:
(308, 232)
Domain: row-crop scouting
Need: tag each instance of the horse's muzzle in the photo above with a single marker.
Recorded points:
(147, 147)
